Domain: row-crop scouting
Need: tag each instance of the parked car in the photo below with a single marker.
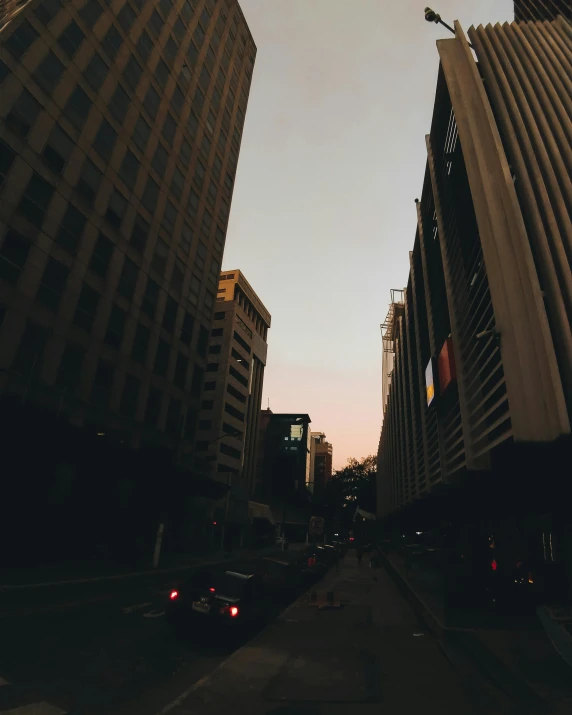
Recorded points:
(279, 575)
(219, 601)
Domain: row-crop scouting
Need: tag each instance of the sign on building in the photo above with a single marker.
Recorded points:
(316, 527)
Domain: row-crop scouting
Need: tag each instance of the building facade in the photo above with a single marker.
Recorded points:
(538, 10)
(321, 452)
(480, 391)
(230, 410)
(120, 130)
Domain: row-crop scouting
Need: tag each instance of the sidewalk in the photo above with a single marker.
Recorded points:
(369, 656)
(514, 652)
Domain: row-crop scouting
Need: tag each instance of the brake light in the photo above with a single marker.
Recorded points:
(494, 565)
(173, 595)
(351, 538)
(212, 590)
(233, 611)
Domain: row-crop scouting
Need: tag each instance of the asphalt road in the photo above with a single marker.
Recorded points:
(90, 649)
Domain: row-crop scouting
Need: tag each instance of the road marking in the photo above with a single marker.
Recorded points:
(154, 614)
(42, 708)
(139, 606)
(4, 682)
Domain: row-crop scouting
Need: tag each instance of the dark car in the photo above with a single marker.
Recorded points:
(218, 600)
(279, 575)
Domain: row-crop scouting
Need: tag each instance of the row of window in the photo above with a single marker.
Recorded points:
(29, 357)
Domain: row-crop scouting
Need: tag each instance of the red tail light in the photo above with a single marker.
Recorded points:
(173, 595)
(351, 538)
(212, 590)
(494, 565)
(234, 611)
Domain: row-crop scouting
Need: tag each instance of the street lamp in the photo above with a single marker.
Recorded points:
(432, 16)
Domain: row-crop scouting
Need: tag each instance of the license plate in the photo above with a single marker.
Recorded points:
(201, 607)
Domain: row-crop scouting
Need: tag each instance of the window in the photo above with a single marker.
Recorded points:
(242, 342)
(150, 298)
(219, 316)
(159, 262)
(77, 108)
(153, 408)
(130, 396)
(199, 174)
(237, 414)
(104, 141)
(156, 24)
(187, 11)
(214, 271)
(219, 239)
(13, 254)
(237, 376)
(90, 12)
(205, 146)
(236, 393)
(49, 72)
(199, 36)
(71, 39)
(116, 209)
(141, 134)
(169, 129)
(179, 29)
(128, 279)
(36, 199)
(173, 423)
(52, 285)
(177, 100)
(201, 253)
(139, 234)
(160, 159)
(205, 79)
(102, 383)
(71, 229)
(230, 451)
(161, 73)
(58, 149)
(150, 195)
(115, 327)
(204, 425)
(119, 104)
(144, 46)
(170, 314)
(48, 10)
(214, 350)
(212, 367)
(207, 222)
(140, 344)
(31, 348)
(197, 381)
(20, 40)
(186, 239)
(151, 102)
(210, 123)
(178, 276)
(177, 183)
(203, 340)
(169, 217)
(126, 17)
(132, 73)
(229, 429)
(210, 385)
(240, 359)
(86, 308)
(207, 404)
(162, 358)
(185, 75)
(129, 169)
(187, 329)
(69, 370)
(181, 368)
(192, 125)
(23, 114)
(216, 332)
(198, 102)
(112, 42)
(96, 72)
(101, 256)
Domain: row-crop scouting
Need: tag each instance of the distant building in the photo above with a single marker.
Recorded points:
(286, 465)
(531, 10)
(232, 391)
(320, 462)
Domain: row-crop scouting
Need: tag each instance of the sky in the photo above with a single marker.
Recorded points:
(323, 214)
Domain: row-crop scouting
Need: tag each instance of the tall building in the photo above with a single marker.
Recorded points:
(535, 10)
(120, 130)
(321, 452)
(230, 410)
(476, 428)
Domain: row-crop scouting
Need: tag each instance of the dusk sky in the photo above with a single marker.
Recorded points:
(323, 214)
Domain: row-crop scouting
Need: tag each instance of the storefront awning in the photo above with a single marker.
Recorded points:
(260, 511)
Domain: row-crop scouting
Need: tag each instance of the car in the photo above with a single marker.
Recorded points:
(280, 575)
(219, 601)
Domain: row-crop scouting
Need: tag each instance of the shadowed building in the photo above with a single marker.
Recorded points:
(476, 427)
(321, 452)
(120, 131)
